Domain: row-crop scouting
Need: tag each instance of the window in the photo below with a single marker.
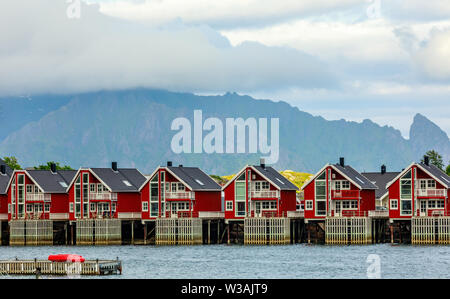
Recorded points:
(309, 205)
(30, 189)
(71, 207)
(354, 204)
(181, 187)
(47, 208)
(229, 205)
(145, 206)
(431, 204)
(265, 186)
(406, 194)
(440, 204)
(345, 185)
(431, 184)
(394, 204)
(257, 186)
(345, 204)
(92, 188)
(113, 207)
(321, 204)
(174, 187)
(93, 207)
(29, 208)
(99, 188)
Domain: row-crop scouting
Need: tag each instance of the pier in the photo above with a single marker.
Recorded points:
(44, 267)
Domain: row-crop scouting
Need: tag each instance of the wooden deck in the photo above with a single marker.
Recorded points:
(89, 267)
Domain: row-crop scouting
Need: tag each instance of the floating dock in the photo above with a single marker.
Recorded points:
(44, 267)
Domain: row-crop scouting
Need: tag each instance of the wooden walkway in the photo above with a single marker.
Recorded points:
(29, 267)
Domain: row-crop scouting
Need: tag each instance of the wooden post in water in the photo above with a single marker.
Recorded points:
(228, 233)
(209, 231)
(132, 232)
(392, 233)
(145, 233)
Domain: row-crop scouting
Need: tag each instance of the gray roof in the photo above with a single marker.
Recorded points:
(4, 179)
(437, 173)
(115, 179)
(275, 177)
(356, 177)
(380, 180)
(52, 182)
(195, 178)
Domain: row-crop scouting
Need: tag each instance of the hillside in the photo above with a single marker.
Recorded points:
(133, 127)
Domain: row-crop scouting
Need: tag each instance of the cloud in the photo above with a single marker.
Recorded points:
(416, 10)
(433, 58)
(42, 50)
(224, 13)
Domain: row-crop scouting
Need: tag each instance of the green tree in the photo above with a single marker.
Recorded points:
(48, 166)
(435, 159)
(447, 170)
(12, 162)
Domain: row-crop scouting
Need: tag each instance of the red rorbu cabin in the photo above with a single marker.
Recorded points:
(338, 190)
(175, 192)
(39, 194)
(259, 191)
(5, 176)
(420, 190)
(106, 193)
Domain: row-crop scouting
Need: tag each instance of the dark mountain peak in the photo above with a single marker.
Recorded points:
(422, 127)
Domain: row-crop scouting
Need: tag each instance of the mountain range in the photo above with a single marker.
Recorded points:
(133, 127)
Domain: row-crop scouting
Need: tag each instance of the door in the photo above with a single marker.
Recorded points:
(423, 208)
(258, 209)
(338, 209)
(174, 211)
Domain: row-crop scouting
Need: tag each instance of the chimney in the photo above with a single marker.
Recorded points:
(181, 165)
(53, 167)
(383, 169)
(262, 162)
(169, 163)
(342, 161)
(426, 160)
(114, 166)
(3, 169)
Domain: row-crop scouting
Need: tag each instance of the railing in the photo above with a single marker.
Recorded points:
(379, 213)
(33, 215)
(265, 194)
(350, 194)
(296, 214)
(179, 195)
(103, 196)
(438, 213)
(431, 192)
(211, 214)
(267, 214)
(59, 216)
(351, 214)
(102, 215)
(38, 197)
(181, 214)
(129, 215)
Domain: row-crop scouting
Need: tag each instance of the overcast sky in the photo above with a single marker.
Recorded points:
(381, 59)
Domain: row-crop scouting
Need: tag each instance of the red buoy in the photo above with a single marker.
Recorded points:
(66, 258)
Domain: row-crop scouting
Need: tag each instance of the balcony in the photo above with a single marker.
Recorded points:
(38, 197)
(345, 194)
(182, 214)
(347, 213)
(103, 196)
(431, 192)
(265, 194)
(179, 195)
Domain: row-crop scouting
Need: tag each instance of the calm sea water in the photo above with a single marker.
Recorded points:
(292, 261)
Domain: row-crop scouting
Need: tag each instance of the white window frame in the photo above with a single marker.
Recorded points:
(229, 205)
(391, 206)
(309, 205)
(71, 207)
(145, 206)
(47, 208)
